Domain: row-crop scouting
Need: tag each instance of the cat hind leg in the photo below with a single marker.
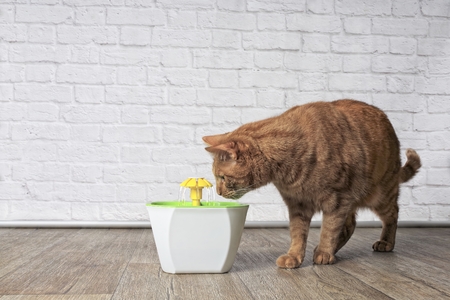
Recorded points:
(388, 214)
(347, 230)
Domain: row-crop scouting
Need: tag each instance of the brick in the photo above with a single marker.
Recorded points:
(43, 93)
(41, 191)
(6, 92)
(359, 44)
(135, 114)
(316, 43)
(130, 56)
(40, 73)
(321, 7)
(265, 98)
(41, 172)
(403, 46)
(234, 97)
(136, 154)
(134, 16)
(182, 19)
(438, 176)
(93, 2)
(175, 58)
(130, 134)
(400, 103)
(439, 104)
(357, 64)
(86, 173)
(43, 14)
(88, 152)
(226, 39)
(436, 159)
(7, 16)
(271, 41)
(80, 192)
(312, 23)
(12, 112)
(439, 65)
(43, 112)
(13, 33)
(401, 121)
(180, 155)
(405, 8)
(411, 213)
(313, 63)
(39, 151)
(134, 174)
(90, 114)
(39, 210)
(439, 140)
(35, 131)
(180, 115)
(84, 54)
(433, 122)
(433, 85)
(405, 27)
(360, 82)
(363, 7)
(256, 113)
(131, 193)
(313, 82)
(132, 75)
(182, 96)
(123, 212)
(436, 46)
(232, 5)
(278, 6)
(223, 59)
(439, 212)
(178, 77)
(90, 15)
(415, 140)
(177, 135)
(223, 79)
(439, 28)
(226, 115)
(181, 38)
(394, 64)
(87, 34)
(177, 174)
(85, 211)
(400, 84)
(10, 152)
(89, 94)
(39, 53)
(438, 8)
(4, 133)
(188, 4)
(271, 21)
(139, 36)
(357, 25)
(225, 20)
(12, 73)
(43, 34)
(85, 133)
(269, 60)
(85, 74)
(249, 79)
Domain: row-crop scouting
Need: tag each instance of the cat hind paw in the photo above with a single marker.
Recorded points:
(323, 258)
(382, 246)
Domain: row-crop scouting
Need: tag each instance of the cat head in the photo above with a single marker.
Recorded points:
(235, 165)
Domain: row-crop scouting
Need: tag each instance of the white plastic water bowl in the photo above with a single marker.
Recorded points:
(202, 239)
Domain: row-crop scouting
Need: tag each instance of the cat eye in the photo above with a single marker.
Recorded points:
(221, 177)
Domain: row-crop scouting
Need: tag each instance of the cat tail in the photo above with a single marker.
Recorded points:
(411, 166)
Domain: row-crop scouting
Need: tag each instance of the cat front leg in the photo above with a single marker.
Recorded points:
(299, 227)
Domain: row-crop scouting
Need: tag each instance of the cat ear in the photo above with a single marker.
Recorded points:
(214, 140)
(225, 152)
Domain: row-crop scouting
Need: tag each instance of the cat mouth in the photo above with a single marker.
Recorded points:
(234, 196)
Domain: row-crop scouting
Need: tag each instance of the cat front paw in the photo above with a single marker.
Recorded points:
(382, 246)
(323, 258)
(287, 261)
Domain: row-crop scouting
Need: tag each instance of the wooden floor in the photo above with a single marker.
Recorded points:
(123, 264)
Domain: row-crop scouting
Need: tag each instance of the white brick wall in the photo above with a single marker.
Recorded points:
(103, 103)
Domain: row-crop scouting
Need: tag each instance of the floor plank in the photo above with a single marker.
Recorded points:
(85, 264)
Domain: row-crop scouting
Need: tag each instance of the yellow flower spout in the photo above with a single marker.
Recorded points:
(196, 185)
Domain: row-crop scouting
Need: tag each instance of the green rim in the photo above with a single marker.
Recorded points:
(188, 204)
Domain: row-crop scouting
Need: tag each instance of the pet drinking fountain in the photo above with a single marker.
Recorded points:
(197, 236)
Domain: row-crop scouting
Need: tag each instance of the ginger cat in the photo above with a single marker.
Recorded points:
(334, 157)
